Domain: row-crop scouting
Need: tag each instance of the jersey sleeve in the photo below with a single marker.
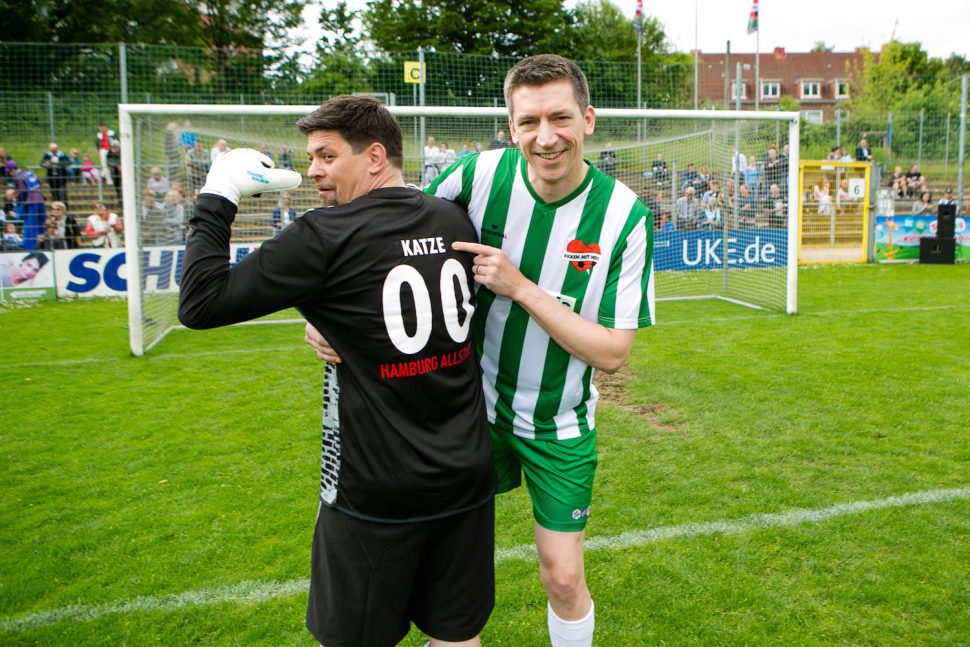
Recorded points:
(282, 273)
(455, 182)
(628, 299)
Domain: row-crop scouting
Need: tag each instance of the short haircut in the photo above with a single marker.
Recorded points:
(546, 68)
(41, 259)
(361, 121)
(58, 205)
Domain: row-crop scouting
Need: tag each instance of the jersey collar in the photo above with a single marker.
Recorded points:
(524, 171)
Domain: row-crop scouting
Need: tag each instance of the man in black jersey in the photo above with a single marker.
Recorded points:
(405, 530)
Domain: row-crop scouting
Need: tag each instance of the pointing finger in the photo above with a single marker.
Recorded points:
(474, 248)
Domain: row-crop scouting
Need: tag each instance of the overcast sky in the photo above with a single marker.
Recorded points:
(942, 26)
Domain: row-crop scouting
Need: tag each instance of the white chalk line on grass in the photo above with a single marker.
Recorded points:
(256, 592)
(160, 356)
(820, 313)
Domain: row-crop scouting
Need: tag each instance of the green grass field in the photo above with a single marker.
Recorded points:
(764, 479)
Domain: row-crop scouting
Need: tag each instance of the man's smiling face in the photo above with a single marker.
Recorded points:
(549, 127)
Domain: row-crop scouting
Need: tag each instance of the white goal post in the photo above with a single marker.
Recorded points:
(722, 185)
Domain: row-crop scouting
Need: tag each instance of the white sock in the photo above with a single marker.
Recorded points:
(571, 633)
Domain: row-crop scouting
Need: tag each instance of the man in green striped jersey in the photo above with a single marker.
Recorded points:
(565, 272)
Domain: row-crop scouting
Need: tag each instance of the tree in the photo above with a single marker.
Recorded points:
(342, 31)
(595, 32)
(217, 23)
(487, 27)
(341, 65)
(248, 23)
(904, 78)
(956, 65)
(820, 46)
(101, 21)
(600, 32)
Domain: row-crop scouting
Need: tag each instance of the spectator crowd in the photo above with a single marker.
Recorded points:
(753, 193)
(70, 200)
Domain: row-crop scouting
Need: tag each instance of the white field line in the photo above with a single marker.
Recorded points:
(255, 592)
(299, 345)
(820, 313)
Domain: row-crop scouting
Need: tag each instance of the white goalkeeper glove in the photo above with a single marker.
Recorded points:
(243, 172)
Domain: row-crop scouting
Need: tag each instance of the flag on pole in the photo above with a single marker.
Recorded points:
(638, 17)
(753, 18)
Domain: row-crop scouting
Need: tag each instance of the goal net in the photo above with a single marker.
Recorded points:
(722, 187)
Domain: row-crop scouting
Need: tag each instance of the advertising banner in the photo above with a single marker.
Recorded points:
(707, 249)
(897, 237)
(26, 277)
(102, 272)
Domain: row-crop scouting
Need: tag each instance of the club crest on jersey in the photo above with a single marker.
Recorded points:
(582, 256)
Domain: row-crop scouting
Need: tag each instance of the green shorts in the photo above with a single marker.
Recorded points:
(558, 473)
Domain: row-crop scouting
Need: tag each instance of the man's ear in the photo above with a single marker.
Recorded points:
(377, 156)
(589, 120)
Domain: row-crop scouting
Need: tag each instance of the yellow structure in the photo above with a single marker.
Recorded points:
(413, 72)
(833, 212)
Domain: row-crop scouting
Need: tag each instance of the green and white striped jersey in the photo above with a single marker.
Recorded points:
(592, 251)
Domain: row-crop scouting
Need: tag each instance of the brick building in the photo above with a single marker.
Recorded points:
(819, 81)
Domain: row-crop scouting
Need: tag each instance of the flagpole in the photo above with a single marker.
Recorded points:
(696, 55)
(757, 66)
(638, 26)
(640, 63)
(754, 26)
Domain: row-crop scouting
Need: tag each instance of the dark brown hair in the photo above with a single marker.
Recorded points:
(361, 121)
(546, 68)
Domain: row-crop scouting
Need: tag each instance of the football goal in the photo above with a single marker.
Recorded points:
(722, 187)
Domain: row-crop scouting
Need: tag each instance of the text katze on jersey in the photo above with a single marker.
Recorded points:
(418, 246)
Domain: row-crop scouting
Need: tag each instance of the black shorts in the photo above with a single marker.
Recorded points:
(369, 581)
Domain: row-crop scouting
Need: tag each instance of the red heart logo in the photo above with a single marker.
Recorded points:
(582, 256)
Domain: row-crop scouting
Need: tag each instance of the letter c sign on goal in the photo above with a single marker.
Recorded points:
(413, 72)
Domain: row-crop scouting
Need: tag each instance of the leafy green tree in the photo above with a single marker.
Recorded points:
(238, 47)
(904, 78)
(789, 104)
(248, 23)
(217, 23)
(487, 27)
(591, 33)
(102, 21)
(341, 65)
(600, 32)
(956, 65)
(601, 37)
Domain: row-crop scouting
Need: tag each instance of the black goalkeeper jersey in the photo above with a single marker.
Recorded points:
(405, 436)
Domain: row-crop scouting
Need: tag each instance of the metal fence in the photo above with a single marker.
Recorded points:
(60, 92)
(929, 141)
